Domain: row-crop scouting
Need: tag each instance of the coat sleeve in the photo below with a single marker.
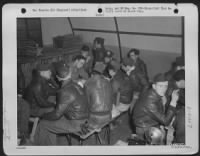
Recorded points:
(53, 87)
(83, 73)
(64, 101)
(153, 112)
(144, 82)
(143, 67)
(41, 101)
(116, 90)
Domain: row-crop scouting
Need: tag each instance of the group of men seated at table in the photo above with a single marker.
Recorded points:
(94, 88)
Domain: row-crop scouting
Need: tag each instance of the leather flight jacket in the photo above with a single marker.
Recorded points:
(121, 82)
(141, 66)
(149, 111)
(71, 102)
(99, 93)
(139, 80)
(37, 92)
(179, 126)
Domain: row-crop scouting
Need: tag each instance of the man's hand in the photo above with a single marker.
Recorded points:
(84, 128)
(175, 97)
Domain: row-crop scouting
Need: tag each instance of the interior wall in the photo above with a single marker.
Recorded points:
(52, 27)
(153, 43)
(156, 61)
(106, 23)
(157, 51)
(162, 25)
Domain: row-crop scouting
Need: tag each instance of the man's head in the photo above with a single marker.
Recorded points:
(112, 70)
(133, 54)
(160, 84)
(179, 63)
(179, 78)
(99, 42)
(95, 73)
(128, 65)
(63, 71)
(79, 61)
(44, 71)
(85, 51)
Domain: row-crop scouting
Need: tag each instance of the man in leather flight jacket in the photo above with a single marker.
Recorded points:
(70, 114)
(99, 94)
(122, 87)
(133, 55)
(149, 110)
(38, 91)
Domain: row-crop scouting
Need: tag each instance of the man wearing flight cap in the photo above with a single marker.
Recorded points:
(70, 114)
(150, 109)
(38, 91)
(110, 60)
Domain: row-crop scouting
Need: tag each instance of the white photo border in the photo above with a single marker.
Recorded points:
(11, 12)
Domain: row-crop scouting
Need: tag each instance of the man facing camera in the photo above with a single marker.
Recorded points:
(133, 55)
(70, 114)
(150, 109)
(85, 52)
(77, 68)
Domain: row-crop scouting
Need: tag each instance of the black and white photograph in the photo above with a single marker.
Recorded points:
(102, 81)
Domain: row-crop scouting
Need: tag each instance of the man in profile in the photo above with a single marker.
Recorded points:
(178, 64)
(38, 91)
(70, 114)
(85, 52)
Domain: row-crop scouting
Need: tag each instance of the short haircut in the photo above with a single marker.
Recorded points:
(159, 78)
(99, 40)
(78, 57)
(179, 75)
(135, 51)
(127, 62)
(111, 67)
(85, 48)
